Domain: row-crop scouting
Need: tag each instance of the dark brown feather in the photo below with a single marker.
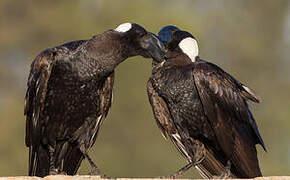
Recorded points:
(160, 111)
(74, 156)
(50, 92)
(224, 100)
(70, 92)
(210, 166)
(34, 102)
(215, 85)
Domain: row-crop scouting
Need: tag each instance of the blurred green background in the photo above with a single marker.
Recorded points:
(249, 39)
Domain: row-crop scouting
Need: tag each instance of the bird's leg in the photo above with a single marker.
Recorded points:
(95, 170)
(181, 170)
(198, 158)
(61, 171)
(185, 168)
(52, 169)
(227, 173)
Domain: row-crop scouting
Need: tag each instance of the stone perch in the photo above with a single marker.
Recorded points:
(62, 177)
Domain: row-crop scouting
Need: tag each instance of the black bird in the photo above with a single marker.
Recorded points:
(210, 166)
(199, 106)
(70, 93)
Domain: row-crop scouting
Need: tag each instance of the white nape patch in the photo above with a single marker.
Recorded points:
(189, 47)
(124, 27)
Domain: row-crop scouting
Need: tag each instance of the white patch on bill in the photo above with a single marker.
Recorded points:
(189, 47)
(124, 27)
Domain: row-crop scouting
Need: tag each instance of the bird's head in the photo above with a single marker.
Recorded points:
(141, 42)
(183, 42)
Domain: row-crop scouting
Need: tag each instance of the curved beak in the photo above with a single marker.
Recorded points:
(153, 46)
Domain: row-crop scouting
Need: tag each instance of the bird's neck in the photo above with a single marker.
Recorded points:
(109, 50)
(175, 58)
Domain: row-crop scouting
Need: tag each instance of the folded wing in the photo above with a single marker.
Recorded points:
(225, 104)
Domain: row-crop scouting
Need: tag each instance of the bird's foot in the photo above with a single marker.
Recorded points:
(173, 176)
(161, 177)
(104, 176)
(62, 173)
(96, 172)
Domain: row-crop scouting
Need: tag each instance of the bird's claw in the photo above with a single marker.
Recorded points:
(62, 173)
(53, 171)
(173, 176)
(97, 172)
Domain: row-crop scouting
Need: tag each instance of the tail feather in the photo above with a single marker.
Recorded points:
(68, 160)
(38, 161)
(210, 166)
(72, 161)
(245, 161)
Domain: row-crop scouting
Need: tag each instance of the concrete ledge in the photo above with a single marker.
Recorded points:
(60, 177)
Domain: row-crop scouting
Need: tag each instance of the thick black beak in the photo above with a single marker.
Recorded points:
(154, 47)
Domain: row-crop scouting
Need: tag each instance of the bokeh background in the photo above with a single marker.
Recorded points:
(249, 39)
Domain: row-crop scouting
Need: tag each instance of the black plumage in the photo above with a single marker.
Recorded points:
(201, 107)
(70, 93)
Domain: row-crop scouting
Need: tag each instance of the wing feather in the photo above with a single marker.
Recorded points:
(215, 85)
(106, 99)
(106, 95)
(225, 103)
(36, 92)
(35, 96)
(160, 111)
(210, 166)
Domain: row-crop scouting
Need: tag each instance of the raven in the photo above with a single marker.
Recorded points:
(70, 93)
(201, 108)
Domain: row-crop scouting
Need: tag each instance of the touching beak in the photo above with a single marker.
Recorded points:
(154, 47)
